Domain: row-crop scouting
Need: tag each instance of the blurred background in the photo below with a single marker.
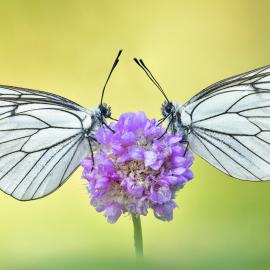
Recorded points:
(67, 47)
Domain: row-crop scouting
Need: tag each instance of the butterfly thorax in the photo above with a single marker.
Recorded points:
(172, 112)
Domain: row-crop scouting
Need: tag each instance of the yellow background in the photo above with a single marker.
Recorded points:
(67, 47)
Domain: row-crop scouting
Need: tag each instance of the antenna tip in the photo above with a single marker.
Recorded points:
(119, 53)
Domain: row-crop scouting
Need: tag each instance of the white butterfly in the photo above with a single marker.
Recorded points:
(227, 124)
(43, 137)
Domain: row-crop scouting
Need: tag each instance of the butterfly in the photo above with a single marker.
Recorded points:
(227, 123)
(43, 137)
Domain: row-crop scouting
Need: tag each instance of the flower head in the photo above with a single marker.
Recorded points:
(137, 168)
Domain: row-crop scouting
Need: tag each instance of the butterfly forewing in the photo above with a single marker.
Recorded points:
(43, 137)
(229, 125)
(35, 96)
(244, 79)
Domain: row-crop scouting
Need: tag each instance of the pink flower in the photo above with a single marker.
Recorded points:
(136, 168)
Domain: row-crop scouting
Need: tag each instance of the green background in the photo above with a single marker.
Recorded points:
(67, 47)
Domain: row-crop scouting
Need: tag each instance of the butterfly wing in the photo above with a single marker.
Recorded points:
(35, 96)
(241, 79)
(42, 140)
(229, 125)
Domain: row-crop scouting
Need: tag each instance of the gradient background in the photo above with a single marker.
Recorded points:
(68, 47)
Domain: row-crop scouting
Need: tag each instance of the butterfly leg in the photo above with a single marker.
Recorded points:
(187, 145)
(173, 129)
(186, 149)
(160, 121)
(107, 126)
(166, 130)
(92, 156)
(114, 119)
(91, 149)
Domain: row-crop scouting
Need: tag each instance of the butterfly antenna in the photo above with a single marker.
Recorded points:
(142, 65)
(112, 69)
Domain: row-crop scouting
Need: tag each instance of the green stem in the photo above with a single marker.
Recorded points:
(138, 241)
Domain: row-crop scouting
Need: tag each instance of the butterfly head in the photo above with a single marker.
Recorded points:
(105, 110)
(168, 108)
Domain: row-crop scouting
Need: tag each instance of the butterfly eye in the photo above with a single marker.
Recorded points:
(168, 108)
(105, 110)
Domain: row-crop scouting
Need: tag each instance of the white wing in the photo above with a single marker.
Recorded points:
(229, 125)
(42, 140)
(35, 96)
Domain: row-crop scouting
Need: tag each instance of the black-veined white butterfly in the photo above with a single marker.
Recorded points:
(227, 123)
(43, 137)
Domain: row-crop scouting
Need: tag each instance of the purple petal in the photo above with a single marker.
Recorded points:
(179, 171)
(104, 135)
(87, 163)
(128, 138)
(118, 149)
(157, 165)
(133, 188)
(113, 212)
(161, 194)
(172, 180)
(106, 166)
(141, 207)
(189, 174)
(140, 120)
(165, 211)
(102, 183)
(150, 158)
(123, 121)
(178, 161)
(136, 152)
(123, 158)
(178, 150)
(174, 139)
